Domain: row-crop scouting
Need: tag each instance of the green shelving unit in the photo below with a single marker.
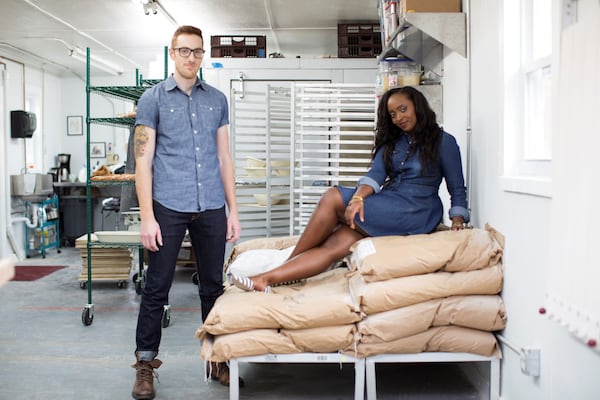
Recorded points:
(128, 93)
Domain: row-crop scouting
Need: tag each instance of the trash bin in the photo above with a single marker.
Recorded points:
(73, 218)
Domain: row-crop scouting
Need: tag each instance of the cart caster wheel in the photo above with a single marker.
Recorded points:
(139, 287)
(138, 282)
(195, 278)
(166, 320)
(83, 284)
(58, 251)
(166, 317)
(86, 317)
(43, 256)
(121, 284)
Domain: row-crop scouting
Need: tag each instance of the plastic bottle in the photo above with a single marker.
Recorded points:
(82, 175)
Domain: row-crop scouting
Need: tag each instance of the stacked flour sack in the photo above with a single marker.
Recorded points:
(316, 315)
(392, 295)
(435, 292)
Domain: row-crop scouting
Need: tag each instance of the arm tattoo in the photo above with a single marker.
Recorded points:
(141, 138)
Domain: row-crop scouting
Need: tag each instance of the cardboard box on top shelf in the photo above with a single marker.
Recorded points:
(405, 6)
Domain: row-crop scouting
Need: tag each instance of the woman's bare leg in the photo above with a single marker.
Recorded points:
(312, 261)
(324, 219)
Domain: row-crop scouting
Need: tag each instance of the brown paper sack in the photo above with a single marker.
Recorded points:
(271, 341)
(323, 300)
(387, 295)
(483, 312)
(442, 338)
(388, 257)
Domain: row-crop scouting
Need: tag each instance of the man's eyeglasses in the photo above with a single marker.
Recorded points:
(186, 51)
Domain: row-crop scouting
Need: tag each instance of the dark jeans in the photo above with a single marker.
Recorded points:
(207, 231)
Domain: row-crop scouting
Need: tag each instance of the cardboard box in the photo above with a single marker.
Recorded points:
(429, 6)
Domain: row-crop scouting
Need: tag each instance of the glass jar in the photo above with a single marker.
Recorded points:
(409, 73)
(397, 72)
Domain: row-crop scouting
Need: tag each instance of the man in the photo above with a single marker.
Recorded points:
(184, 179)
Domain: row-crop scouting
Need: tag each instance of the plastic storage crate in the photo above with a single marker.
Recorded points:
(359, 40)
(238, 46)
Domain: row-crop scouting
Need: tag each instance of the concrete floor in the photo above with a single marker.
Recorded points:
(46, 352)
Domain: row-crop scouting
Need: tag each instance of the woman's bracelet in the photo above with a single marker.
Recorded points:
(358, 198)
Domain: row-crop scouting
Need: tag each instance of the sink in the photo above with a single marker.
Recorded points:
(34, 188)
(34, 198)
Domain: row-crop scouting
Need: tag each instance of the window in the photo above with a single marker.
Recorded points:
(528, 73)
(537, 67)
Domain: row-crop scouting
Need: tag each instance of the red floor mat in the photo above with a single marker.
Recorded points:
(31, 272)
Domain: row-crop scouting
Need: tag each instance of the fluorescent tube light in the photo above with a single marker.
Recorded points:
(164, 12)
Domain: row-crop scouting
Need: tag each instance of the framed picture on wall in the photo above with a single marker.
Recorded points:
(74, 125)
(97, 149)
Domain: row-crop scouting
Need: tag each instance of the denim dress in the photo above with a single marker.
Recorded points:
(409, 202)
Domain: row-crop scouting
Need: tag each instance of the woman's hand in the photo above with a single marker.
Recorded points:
(355, 206)
(458, 224)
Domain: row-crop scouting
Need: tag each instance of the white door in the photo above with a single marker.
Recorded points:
(261, 131)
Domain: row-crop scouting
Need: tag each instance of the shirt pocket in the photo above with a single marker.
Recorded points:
(210, 116)
(171, 118)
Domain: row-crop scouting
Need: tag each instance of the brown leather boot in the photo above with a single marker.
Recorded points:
(219, 371)
(143, 388)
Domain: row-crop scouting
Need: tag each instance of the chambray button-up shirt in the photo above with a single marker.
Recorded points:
(186, 174)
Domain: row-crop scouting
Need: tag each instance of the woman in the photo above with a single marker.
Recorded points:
(398, 196)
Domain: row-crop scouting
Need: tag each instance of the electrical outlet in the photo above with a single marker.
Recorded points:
(530, 362)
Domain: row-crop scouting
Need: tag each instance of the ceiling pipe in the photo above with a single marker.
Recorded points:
(106, 68)
(269, 13)
(38, 58)
(81, 33)
(34, 56)
(97, 62)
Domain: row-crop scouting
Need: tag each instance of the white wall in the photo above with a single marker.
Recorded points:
(52, 98)
(569, 370)
(273, 69)
(33, 89)
(74, 103)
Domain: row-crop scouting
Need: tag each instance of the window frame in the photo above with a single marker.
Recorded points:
(526, 171)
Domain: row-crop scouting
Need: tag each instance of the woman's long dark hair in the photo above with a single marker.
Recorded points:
(426, 133)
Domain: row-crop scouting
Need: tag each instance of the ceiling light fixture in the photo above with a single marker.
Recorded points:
(150, 7)
(96, 62)
(153, 6)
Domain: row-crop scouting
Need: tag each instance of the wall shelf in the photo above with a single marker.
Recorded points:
(421, 37)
